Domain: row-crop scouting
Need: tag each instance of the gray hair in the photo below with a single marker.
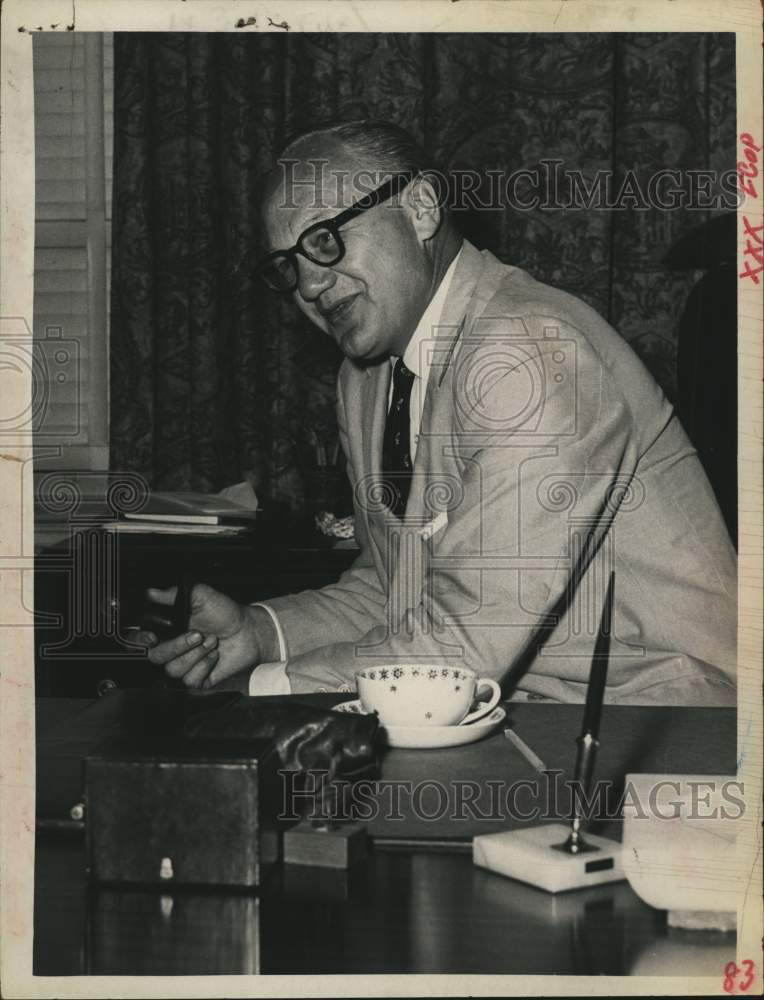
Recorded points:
(386, 147)
(391, 147)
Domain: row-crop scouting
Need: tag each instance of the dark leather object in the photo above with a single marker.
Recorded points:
(305, 738)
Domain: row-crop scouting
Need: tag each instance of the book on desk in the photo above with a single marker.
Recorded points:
(186, 510)
(70, 502)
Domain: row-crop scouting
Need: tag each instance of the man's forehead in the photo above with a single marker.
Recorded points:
(321, 175)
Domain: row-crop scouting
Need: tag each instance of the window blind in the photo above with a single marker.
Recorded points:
(73, 86)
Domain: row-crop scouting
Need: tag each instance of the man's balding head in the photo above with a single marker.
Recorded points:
(388, 146)
(395, 254)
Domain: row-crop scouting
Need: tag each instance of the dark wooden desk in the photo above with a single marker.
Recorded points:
(411, 908)
(403, 911)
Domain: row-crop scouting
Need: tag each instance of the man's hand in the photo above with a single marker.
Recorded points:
(224, 638)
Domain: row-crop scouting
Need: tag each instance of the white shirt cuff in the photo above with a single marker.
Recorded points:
(279, 631)
(271, 678)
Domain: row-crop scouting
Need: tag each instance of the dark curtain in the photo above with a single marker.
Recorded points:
(211, 377)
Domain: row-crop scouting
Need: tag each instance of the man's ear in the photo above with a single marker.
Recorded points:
(423, 204)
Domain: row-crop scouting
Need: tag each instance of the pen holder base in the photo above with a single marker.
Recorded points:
(535, 855)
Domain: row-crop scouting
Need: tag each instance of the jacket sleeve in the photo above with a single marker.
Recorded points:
(539, 489)
(497, 574)
(343, 611)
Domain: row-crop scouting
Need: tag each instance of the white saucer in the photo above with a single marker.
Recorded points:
(431, 737)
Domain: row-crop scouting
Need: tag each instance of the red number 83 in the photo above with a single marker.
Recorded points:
(732, 971)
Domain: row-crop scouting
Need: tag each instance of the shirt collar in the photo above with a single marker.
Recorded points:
(416, 357)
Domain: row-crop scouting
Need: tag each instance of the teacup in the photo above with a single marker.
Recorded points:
(423, 694)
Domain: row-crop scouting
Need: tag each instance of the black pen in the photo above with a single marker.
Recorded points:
(595, 691)
(588, 742)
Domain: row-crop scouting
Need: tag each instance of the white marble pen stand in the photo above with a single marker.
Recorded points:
(532, 855)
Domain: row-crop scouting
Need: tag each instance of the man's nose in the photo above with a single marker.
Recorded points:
(313, 279)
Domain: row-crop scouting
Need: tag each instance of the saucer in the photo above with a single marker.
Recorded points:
(431, 737)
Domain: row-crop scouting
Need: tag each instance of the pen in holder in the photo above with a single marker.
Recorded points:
(588, 742)
(543, 856)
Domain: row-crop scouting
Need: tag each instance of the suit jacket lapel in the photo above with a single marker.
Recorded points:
(376, 392)
(461, 302)
(426, 463)
(373, 414)
(455, 315)
(458, 304)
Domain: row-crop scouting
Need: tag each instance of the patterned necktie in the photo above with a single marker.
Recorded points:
(396, 449)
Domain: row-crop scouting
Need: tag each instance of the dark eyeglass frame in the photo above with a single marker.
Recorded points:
(381, 194)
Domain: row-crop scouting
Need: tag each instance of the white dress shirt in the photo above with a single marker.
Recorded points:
(271, 678)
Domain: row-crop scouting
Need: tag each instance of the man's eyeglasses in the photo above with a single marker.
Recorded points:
(321, 243)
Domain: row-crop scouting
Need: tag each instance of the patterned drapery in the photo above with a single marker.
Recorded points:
(212, 377)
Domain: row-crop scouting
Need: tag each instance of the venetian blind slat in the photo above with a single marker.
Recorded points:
(61, 322)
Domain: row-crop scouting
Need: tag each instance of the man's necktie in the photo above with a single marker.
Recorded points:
(396, 449)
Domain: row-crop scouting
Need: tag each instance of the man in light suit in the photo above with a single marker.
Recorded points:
(507, 450)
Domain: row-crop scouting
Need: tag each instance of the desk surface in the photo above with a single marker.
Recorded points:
(403, 911)
(638, 740)
(408, 909)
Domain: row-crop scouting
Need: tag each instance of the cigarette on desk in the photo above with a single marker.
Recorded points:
(533, 759)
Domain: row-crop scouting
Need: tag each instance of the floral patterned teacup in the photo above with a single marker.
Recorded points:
(424, 694)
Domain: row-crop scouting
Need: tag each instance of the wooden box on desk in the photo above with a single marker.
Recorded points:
(185, 813)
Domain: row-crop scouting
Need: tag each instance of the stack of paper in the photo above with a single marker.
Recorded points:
(169, 528)
(189, 509)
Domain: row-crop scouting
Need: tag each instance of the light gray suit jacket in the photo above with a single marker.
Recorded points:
(547, 456)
